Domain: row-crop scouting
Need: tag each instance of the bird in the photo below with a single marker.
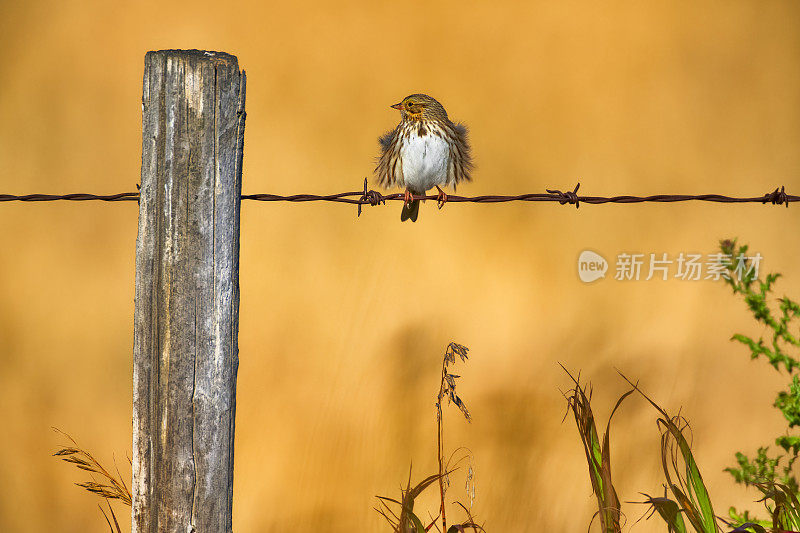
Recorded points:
(425, 150)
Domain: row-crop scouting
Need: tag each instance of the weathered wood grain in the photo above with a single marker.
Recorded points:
(186, 321)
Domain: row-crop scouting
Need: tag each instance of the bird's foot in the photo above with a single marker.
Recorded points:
(408, 198)
(442, 198)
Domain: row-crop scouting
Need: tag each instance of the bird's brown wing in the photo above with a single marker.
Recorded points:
(460, 157)
(389, 170)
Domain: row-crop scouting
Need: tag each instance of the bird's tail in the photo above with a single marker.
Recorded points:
(410, 211)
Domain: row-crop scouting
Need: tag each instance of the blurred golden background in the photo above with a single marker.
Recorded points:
(344, 320)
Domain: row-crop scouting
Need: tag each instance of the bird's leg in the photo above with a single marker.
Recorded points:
(442, 198)
(407, 197)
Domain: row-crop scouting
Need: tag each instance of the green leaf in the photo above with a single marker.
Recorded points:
(789, 402)
(750, 526)
(669, 511)
(418, 527)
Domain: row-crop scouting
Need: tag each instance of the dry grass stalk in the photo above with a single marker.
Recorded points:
(407, 521)
(115, 527)
(110, 487)
(447, 388)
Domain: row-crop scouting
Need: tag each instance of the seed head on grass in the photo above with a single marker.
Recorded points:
(111, 487)
(448, 383)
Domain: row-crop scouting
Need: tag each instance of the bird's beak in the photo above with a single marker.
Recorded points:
(397, 106)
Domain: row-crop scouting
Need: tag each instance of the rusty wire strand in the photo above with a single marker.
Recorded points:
(75, 197)
(372, 197)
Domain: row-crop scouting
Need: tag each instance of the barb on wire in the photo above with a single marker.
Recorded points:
(367, 196)
(371, 197)
(777, 197)
(569, 197)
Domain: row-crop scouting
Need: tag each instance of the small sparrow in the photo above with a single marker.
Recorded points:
(425, 150)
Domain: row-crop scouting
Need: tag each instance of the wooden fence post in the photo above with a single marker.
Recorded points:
(186, 321)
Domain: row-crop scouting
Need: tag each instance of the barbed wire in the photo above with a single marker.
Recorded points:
(75, 197)
(371, 197)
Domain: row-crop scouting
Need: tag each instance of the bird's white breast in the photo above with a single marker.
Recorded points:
(425, 161)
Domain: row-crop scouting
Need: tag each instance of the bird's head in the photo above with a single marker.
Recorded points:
(420, 107)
